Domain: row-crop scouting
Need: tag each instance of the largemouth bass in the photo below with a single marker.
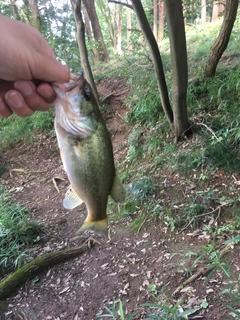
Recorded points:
(86, 152)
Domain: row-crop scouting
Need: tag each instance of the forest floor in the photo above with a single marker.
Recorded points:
(134, 269)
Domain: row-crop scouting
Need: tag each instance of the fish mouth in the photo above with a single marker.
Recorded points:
(77, 83)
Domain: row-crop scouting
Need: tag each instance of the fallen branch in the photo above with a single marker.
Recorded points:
(31, 269)
(202, 271)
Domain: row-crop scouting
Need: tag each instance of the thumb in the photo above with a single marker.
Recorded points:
(48, 69)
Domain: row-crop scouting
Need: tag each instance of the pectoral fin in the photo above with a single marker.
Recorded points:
(71, 199)
(118, 192)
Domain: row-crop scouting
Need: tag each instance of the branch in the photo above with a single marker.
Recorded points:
(202, 271)
(121, 3)
(31, 269)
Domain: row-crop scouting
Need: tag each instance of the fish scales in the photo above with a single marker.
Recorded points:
(86, 152)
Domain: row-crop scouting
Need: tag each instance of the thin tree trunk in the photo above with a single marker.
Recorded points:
(203, 12)
(101, 50)
(119, 38)
(175, 21)
(155, 18)
(76, 5)
(157, 61)
(161, 21)
(218, 8)
(129, 27)
(15, 10)
(35, 14)
(223, 38)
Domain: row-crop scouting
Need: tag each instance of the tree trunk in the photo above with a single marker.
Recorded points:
(161, 21)
(129, 27)
(76, 5)
(223, 38)
(175, 21)
(15, 10)
(101, 50)
(203, 12)
(119, 37)
(157, 61)
(35, 14)
(218, 8)
(109, 20)
(155, 18)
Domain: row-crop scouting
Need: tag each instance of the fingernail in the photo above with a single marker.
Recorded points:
(14, 100)
(24, 87)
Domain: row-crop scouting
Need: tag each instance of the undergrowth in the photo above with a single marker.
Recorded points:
(17, 233)
(13, 129)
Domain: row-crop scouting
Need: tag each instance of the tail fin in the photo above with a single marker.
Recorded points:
(96, 226)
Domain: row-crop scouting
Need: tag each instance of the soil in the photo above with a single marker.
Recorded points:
(126, 267)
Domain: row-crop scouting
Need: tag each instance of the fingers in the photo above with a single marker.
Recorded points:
(5, 111)
(25, 98)
(15, 101)
(39, 98)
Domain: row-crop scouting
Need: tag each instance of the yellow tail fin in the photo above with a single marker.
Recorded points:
(96, 226)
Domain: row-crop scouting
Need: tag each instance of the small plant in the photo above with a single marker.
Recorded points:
(16, 233)
(163, 311)
(116, 312)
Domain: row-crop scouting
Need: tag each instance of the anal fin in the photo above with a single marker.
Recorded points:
(118, 192)
(71, 199)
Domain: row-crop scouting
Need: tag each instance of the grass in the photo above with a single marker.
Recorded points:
(13, 129)
(17, 233)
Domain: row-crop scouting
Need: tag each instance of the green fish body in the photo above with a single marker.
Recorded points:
(86, 152)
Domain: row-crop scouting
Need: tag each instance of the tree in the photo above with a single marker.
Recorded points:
(203, 12)
(177, 116)
(119, 38)
(175, 21)
(77, 5)
(101, 52)
(161, 21)
(218, 8)
(223, 38)
(35, 13)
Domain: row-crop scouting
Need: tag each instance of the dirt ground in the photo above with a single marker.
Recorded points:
(123, 266)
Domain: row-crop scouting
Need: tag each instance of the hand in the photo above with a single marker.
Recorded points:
(27, 65)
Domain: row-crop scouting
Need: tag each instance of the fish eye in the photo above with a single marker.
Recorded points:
(86, 93)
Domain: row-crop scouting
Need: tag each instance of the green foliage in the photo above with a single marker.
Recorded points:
(162, 311)
(14, 128)
(16, 233)
(115, 312)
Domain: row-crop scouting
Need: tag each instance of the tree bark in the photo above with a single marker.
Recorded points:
(218, 8)
(76, 5)
(157, 61)
(223, 38)
(31, 269)
(203, 12)
(129, 27)
(15, 10)
(175, 21)
(119, 37)
(101, 51)
(36, 22)
(161, 21)
(155, 19)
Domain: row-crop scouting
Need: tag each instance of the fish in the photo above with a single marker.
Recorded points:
(86, 152)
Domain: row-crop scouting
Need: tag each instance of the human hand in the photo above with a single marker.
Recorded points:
(27, 65)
